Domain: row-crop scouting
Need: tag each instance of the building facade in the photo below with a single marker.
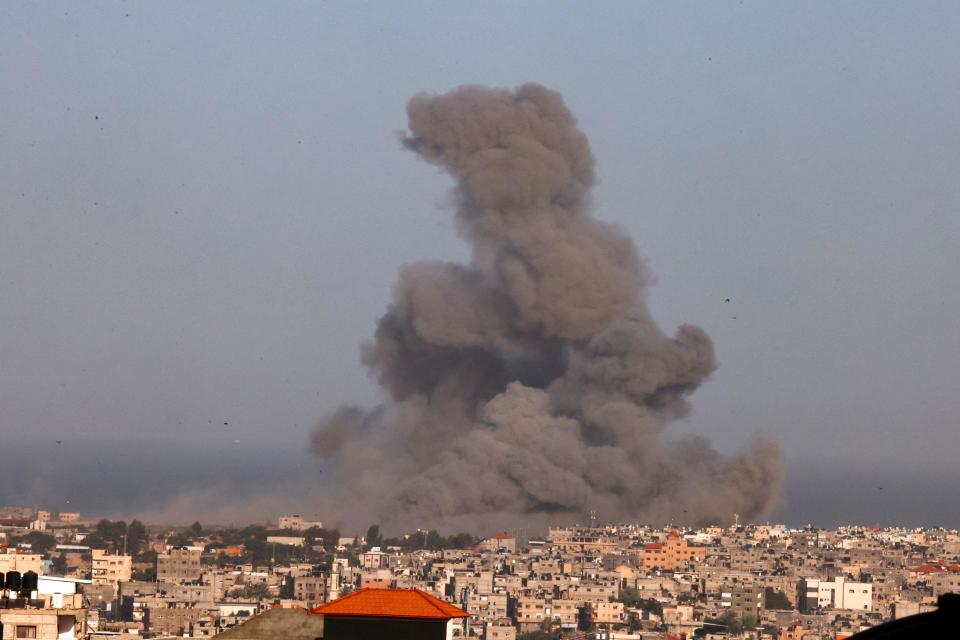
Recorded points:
(834, 594)
(179, 564)
(110, 569)
(672, 554)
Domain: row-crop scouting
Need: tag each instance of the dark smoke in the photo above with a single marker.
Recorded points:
(530, 385)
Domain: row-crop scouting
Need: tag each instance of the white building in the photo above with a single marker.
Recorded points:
(836, 594)
(297, 523)
(60, 593)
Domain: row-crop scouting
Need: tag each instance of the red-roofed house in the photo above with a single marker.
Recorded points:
(498, 541)
(930, 568)
(398, 614)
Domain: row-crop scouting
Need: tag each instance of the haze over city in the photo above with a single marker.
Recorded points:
(205, 208)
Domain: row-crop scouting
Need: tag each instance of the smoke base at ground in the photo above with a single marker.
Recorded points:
(531, 385)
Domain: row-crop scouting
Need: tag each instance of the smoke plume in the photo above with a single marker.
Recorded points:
(530, 385)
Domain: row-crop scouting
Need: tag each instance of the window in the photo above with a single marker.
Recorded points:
(24, 631)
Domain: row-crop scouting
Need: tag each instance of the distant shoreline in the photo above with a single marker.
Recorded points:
(136, 477)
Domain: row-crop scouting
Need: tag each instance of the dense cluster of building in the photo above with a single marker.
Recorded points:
(624, 582)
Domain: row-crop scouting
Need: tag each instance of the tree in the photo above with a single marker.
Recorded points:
(259, 591)
(144, 575)
(59, 565)
(735, 624)
(108, 534)
(545, 632)
(461, 541)
(373, 536)
(631, 598)
(732, 622)
(287, 587)
(136, 537)
(773, 599)
(39, 542)
(434, 540)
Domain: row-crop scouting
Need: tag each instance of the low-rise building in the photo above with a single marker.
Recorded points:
(42, 624)
(502, 629)
(608, 613)
(813, 594)
(297, 523)
(672, 554)
(502, 541)
(53, 610)
(110, 569)
(179, 564)
(13, 560)
(376, 614)
(743, 600)
(311, 590)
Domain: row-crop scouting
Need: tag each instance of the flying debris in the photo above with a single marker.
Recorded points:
(530, 385)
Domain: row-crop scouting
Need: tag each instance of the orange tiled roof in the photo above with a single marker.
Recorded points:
(936, 568)
(390, 603)
(927, 568)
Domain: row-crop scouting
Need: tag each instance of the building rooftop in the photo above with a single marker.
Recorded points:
(390, 603)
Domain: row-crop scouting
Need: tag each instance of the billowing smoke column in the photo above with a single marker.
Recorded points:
(531, 385)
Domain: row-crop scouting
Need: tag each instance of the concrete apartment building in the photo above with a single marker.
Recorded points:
(179, 564)
(590, 592)
(175, 618)
(743, 600)
(40, 624)
(500, 630)
(672, 554)
(499, 541)
(13, 560)
(838, 593)
(486, 608)
(374, 559)
(110, 569)
(311, 590)
(56, 613)
(608, 613)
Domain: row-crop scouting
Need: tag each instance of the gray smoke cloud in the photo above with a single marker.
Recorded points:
(530, 386)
